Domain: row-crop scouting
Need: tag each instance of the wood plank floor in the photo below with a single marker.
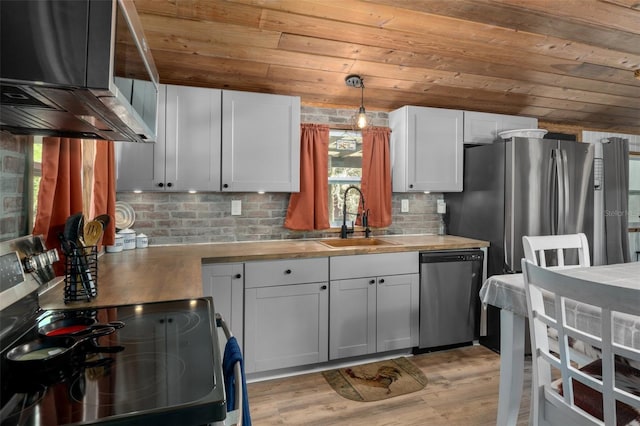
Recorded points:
(462, 390)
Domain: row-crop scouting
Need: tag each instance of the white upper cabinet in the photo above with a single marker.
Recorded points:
(260, 142)
(427, 149)
(186, 155)
(250, 140)
(192, 138)
(483, 128)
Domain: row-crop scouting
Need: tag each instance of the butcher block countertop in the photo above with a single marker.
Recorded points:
(159, 273)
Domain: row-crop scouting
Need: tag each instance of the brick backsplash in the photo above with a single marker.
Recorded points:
(170, 218)
(13, 198)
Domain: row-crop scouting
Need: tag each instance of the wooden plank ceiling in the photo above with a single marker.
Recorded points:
(562, 61)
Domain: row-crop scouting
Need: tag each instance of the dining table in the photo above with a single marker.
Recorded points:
(507, 293)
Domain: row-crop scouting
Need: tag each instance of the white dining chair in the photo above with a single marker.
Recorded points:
(587, 395)
(536, 249)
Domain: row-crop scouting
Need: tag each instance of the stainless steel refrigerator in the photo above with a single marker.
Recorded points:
(521, 186)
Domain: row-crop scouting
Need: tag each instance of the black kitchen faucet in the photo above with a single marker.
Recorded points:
(345, 231)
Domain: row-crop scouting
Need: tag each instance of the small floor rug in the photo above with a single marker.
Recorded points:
(377, 380)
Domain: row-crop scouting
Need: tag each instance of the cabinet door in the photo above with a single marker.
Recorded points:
(135, 166)
(428, 149)
(260, 142)
(225, 283)
(397, 320)
(140, 166)
(435, 150)
(192, 138)
(286, 326)
(481, 127)
(352, 317)
(514, 122)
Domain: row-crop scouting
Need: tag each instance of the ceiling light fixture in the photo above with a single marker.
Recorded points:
(356, 81)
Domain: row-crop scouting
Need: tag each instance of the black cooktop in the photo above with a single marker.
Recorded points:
(162, 367)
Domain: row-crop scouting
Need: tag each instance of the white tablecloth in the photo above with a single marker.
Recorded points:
(507, 292)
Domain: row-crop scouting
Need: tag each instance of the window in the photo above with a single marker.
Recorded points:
(345, 169)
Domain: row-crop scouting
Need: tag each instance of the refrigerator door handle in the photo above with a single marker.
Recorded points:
(555, 193)
(563, 200)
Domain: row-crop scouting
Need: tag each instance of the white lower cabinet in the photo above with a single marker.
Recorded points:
(225, 283)
(294, 312)
(397, 313)
(286, 325)
(375, 313)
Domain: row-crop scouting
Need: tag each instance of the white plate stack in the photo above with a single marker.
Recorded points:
(523, 133)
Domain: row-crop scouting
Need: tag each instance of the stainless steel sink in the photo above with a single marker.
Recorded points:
(355, 242)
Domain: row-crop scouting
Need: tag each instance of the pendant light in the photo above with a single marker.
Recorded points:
(356, 81)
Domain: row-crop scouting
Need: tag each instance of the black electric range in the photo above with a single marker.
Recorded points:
(160, 365)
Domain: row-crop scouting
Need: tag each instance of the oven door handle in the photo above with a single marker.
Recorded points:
(234, 417)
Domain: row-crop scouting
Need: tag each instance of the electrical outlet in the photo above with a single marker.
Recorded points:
(404, 206)
(441, 207)
(236, 207)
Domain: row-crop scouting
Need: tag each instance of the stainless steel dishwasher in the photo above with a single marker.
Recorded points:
(449, 302)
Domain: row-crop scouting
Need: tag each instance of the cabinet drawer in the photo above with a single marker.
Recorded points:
(289, 271)
(372, 265)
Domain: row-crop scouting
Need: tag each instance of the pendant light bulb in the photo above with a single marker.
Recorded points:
(362, 115)
(362, 118)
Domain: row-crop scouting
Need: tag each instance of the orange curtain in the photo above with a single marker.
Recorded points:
(104, 187)
(376, 175)
(60, 192)
(309, 209)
